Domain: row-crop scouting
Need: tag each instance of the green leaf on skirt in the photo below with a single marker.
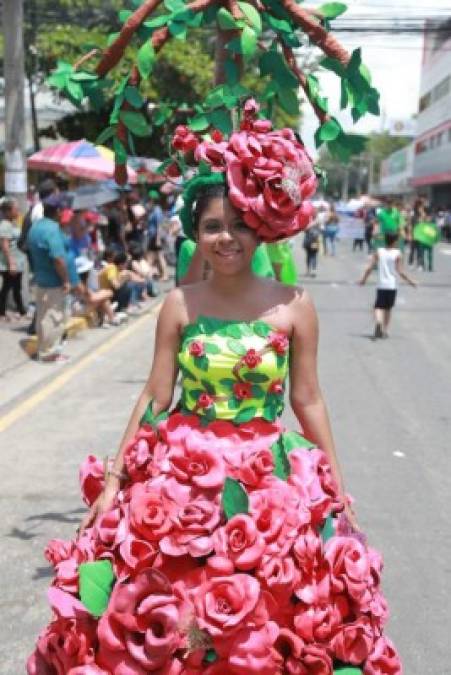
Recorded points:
(95, 585)
(234, 498)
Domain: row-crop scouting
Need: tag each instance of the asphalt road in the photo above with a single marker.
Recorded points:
(390, 403)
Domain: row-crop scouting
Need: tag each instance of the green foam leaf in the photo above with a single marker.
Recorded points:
(245, 415)
(225, 20)
(146, 59)
(252, 15)
(95, 585)
(136, 122)
(234, 498)
(281, 463)
(332, 9)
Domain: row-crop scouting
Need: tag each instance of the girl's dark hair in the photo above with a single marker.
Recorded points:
(120, 258)
(203, 198)
(136, 250)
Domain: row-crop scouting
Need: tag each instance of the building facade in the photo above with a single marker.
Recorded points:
(432, 148)
(396, 173)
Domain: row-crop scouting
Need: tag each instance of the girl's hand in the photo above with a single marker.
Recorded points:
(102, 504)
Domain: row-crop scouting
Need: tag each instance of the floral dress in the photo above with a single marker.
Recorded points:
(226, 550)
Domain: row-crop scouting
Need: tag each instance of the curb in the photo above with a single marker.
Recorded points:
(75, 325)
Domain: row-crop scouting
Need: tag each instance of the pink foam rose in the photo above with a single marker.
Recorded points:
(139, 452)
(349, 567)
(200, 465)
(64, 644)
(255, 466)
(222, 604)
(92, 479)
(91, 669)
(213, 153)
(353, 642)
(193, 522)
(107, 527)
(328, 482)
(383, 659)
(139, 631)
(252, 650)
(378, 608)
(196, 348)
(149, 512)
(240, 542)
(184, 139)
(315, 659)
(314, 582)
(279, 575)
(278, 515)
(317, 623)
(58, 550)
(305, 478)
(288, 649)
(136, 554)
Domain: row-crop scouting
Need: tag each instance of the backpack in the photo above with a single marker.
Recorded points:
(311, 239)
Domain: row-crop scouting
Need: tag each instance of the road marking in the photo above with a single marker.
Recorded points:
(398, 453)
(60, 380)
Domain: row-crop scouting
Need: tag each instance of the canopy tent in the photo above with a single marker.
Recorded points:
(80, 159)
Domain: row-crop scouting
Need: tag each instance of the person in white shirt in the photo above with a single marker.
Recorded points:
(388, 261)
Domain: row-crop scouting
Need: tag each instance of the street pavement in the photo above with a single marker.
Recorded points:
(390, 404)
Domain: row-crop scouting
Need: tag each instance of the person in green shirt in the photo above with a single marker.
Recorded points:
(389, 218)
(426, 234)
(281, 256)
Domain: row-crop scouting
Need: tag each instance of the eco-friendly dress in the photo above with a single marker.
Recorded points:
(225, 551)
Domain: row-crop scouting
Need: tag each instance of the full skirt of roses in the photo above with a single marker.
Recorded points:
(196, 593)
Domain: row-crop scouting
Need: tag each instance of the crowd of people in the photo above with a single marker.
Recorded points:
(105, 263)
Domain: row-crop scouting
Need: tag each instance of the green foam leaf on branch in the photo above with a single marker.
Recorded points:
(252, 15)
(135, 122)
(332, 9)
(225, 20)
(146, 59)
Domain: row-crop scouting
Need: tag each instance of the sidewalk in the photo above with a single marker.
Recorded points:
(20, 375)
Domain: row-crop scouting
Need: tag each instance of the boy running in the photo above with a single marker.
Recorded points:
(388, 261)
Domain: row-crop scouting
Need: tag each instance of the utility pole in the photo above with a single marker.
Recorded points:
(15, 160)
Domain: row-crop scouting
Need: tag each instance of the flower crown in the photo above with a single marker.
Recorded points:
(268, 174)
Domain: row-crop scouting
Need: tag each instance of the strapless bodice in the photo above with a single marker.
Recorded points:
(233, 370)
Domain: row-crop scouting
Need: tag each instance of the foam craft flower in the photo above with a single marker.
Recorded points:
(279, 342)
(196, 348)
(239, 542)
(139, 453)
(92, 479)
(199, 465)
(139, 631)
(349, 567)
(280, 576)
(252, 650)
(269, 174)
(353, 642)
(383, 659)
(223, 603)
(255, 466)
(252, 358)
(184, 139)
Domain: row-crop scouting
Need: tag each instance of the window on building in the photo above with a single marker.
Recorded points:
(441, 89)
(439, 139)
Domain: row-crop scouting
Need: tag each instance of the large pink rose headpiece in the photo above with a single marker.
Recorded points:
(269, 175)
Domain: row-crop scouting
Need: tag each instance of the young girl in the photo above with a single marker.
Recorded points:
(12, 260)
(98, 302)
(231, 541)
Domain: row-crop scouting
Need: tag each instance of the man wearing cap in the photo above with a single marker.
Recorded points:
(46, 244)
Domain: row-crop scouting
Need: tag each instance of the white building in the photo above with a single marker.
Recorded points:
(432, 153)
(396, 172)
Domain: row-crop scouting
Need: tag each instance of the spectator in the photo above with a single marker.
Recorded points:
(426, 235)
(115, 230)
(388, 261)
(115, 277)
(139, 266)
(12, 259)
(80, 242)
(46, 243)
(330, 231)
(95, 301)
(311, 246)
(370, 221)
(155, 221)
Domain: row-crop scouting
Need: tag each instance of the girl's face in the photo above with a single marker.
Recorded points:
(224, 240)
(13, 212)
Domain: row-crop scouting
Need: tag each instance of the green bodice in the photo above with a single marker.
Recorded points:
(233, 370)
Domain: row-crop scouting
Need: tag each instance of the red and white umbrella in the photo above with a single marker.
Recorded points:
(80, 159)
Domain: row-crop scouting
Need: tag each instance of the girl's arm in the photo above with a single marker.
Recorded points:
(158, 391)
(305, 394)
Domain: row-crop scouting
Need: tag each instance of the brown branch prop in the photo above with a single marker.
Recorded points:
(85, 58)
(120, 170)
(327, 42)
(235, 10)
(160, 37)
(115, 51)
(291, 60)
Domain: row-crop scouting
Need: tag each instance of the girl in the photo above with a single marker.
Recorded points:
(12, 260)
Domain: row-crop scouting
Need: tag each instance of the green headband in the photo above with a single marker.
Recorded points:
(190, 192)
